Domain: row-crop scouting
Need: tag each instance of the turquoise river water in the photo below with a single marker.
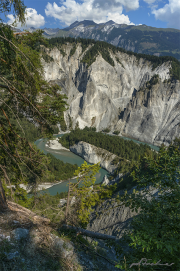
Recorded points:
(70, 157)
(66, 157)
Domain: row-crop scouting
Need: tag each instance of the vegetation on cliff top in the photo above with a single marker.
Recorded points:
(126, 150)
(105, 48)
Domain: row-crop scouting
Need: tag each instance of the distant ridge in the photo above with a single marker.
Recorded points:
(136, 38)
(139, 39)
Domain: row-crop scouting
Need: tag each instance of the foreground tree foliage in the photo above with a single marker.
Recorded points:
(86, 194)
(16, 6)
(151, 243)
(156, 229)
(21, 84)
(61, 170)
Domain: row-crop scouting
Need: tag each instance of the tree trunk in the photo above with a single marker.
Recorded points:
(91, 233)
(3, 202)
(24, 211)
(7, 180)
(67, 206)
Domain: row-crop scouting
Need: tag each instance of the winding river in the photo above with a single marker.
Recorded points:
(70, 157)
(66, 157)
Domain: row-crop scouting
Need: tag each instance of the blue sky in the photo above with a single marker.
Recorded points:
(62, 13)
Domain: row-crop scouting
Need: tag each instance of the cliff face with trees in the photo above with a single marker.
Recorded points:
(110, 88)
(115, 154)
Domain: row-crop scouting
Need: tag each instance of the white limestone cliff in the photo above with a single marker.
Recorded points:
(93, 154)
(55, 145)
(104, 96)
(153, 115)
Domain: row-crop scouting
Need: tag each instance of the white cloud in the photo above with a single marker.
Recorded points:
(106, 4)
(32, 19)
(170, 13)
(149, 1)
(119, 18)
(96, 10)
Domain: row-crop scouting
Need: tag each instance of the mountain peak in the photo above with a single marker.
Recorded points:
(88, 21)
(110, 22)
(77, 23)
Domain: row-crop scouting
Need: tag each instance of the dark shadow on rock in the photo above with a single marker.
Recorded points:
(81, 78)
(121, 115)
(134, 92)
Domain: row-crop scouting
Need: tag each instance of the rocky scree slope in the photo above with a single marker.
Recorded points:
(113, 218)
(116, 97)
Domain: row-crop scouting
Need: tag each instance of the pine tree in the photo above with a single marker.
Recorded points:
(86, 196)
(156, 229)
(22, 82)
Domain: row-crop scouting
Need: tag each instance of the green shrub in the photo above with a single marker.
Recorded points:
(73, 50)
(62, 52)
(106, 130)
(116, 132)
(154, 80)
(46, 57)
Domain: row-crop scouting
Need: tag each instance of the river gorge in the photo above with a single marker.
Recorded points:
(69, 157)
(66, 157)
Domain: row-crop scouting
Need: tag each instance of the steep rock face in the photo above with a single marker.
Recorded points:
(93, 155)
(113, 218)
(106, 181)
(105, 96)
(153, 115)
(55, 145)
